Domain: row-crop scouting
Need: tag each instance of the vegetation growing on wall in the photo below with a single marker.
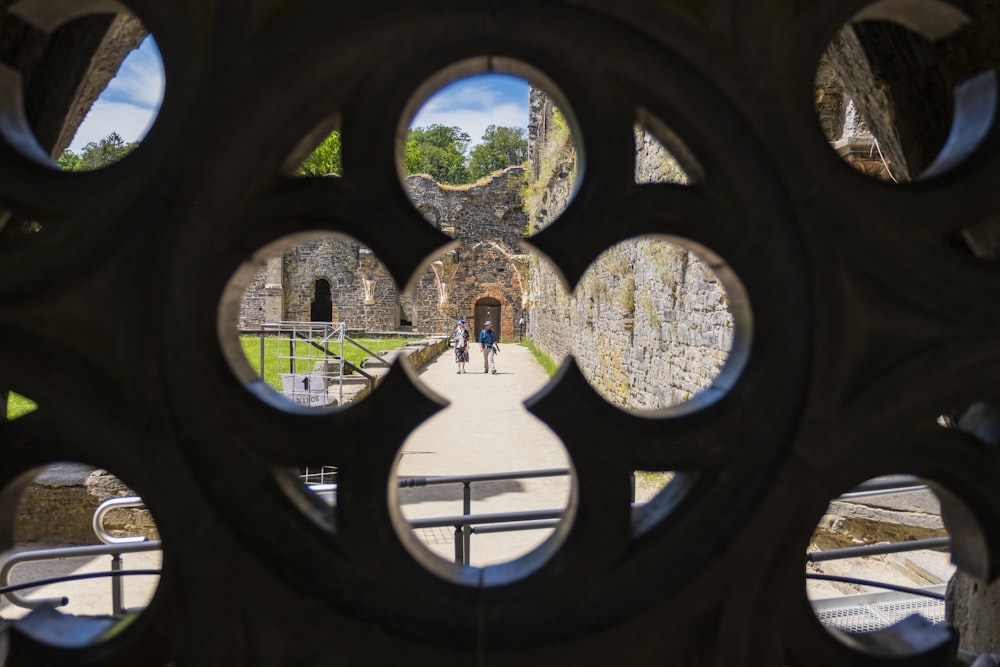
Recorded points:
(625, 296)
(648, 307)
(556, 160)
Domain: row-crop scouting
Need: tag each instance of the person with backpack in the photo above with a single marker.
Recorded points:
(488, 340)
(461, 338)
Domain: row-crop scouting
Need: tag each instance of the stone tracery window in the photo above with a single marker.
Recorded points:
(853, 344)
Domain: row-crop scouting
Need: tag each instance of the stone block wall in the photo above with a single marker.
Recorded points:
(58, 507)
(649, 323)
(488, 220)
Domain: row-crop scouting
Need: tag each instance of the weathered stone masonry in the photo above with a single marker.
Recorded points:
(649, 323)
(339, 279)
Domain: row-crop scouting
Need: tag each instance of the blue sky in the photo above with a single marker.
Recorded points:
(477, 102)
(129, 104)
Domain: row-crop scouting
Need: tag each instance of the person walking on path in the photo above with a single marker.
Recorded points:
(461, 338)
(488, 344)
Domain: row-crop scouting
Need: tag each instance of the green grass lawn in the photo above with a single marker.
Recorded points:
(18, 406)
(545, 360)
(251, 348)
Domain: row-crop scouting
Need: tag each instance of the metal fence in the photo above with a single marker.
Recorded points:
(852, 613)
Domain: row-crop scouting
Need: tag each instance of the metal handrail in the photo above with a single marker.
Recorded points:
(113, 546)
(101, 512)
(492, 518)
(465, 524)
(374, 355)
(55, 553)
(411, 482)
(293, 328)
(878, 549)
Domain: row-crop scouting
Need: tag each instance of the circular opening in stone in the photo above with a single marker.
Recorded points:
(122, 115)
(498, 466)
(71, 521)
(894, 97)
(314, 321)
(879, 555)
(658, 322)
(100, 85)
(487, 491)
(477, 139)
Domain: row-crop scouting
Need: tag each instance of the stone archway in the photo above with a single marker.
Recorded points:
(321, 309)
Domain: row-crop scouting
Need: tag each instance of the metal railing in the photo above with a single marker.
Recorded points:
(113, 546)
(864, 612)
(465, 524)
(883, 486)
(316, 336)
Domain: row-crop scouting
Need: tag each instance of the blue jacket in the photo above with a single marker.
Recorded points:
(487, 337)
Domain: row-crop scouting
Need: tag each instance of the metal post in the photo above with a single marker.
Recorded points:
(633, 487)
(117, 600)
(459, 545)
(261, 354)
(466, 511)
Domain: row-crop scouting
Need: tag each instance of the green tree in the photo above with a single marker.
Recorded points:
(68, 161)
(97, 154)
(441, 152)
(413, 159)
(501, 148)
(326, 159)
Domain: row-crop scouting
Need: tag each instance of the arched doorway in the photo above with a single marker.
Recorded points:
(487, 308)
(321, 309)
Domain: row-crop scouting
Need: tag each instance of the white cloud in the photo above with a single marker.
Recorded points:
(474, 121)
(476, 103)
(130, 101)
(129, 121)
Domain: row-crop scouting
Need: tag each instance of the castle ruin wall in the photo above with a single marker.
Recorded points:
(649, 322)
(486, 218)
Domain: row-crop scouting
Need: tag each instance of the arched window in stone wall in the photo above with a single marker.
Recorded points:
(431, 213)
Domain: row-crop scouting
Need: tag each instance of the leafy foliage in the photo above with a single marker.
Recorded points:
(501, 148)
(556, 156)
(413, 159)
(439, 151)
(97, 155)
(326, 159)
(18, 406)
(442, 152)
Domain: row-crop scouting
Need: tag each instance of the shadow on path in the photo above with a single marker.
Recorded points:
(455, 492)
